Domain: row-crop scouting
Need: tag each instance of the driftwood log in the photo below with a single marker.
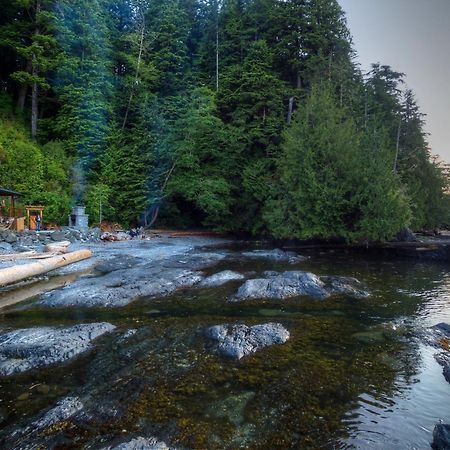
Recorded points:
(17, 273)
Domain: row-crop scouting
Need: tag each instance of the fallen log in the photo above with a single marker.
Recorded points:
(14, 274)
(21, 255)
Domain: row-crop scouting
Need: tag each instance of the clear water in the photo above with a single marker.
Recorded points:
(351, 376)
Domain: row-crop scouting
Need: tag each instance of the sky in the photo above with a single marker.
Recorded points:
(411, 36)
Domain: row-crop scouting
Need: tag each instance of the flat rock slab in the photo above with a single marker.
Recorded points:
(275, 255)
(237, 341)
(25, 349)
(221, 278)
(118, 262)
(297, 283)
(141, 443)
(121, 287)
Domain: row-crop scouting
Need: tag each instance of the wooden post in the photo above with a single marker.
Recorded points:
(12, 207)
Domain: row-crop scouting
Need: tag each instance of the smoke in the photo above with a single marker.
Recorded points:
(83, 82)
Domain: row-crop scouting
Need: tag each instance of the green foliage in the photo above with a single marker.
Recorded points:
(204, 152)
(332, 181)
(40, 173)
(133, 121)
(98, 202)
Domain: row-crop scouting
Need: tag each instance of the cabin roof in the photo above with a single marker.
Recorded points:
(9, 192)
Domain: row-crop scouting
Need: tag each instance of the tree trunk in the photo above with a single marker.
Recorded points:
(23, 90)
(290, 109)
(217, 47)
(21, 272)
(299, 81)
(136, 76)
(397, 146)
(35, 73)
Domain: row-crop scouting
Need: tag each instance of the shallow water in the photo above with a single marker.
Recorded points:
(351, 376)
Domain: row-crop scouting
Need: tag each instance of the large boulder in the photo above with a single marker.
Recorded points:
(237, 341)
(221, 278)
(297, 283)
(275, 255)
(441, 437)
(25, 349)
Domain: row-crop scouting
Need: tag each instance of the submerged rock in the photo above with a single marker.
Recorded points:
(297, 283)
(232, 407)
(344, 285)
(221, 278)
(275, 255)
(140, 443)
(64, 409)
(439, 336)
(121, 287)
(25, 349)
(441, 437)
(236, 341)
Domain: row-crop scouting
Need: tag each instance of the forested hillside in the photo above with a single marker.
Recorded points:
(237, 115)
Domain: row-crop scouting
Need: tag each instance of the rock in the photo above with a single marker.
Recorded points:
(5, 247)
(140, 443)
(406, 235)
(270, 273)
(232, 407)
(10, 237)
(119, 236)
(57, 247)
(275, 255)
(297, 283)
(370, 337)
(58, 236)
(121, 287)
(237, 341)
(64, 409)
(118, 263)
(441, 437)
(25, 349)
(285, 285)
(221, 278)
(437, 335)
(344, 286)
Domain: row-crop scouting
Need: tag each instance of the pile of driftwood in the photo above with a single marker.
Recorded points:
(55, 256)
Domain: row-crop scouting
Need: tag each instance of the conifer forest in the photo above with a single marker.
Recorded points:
(242, 116)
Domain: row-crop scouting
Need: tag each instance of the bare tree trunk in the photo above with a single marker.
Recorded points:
(397, 146)
(365, 110)
(299, 81)
(217, 47)
(34, 86)
(23, 90)
(290, 109)
(136, 76)
(163, 188)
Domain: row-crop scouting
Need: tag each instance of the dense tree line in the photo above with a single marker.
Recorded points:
(239, 115)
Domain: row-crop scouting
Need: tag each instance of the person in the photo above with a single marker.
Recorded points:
(38, 222)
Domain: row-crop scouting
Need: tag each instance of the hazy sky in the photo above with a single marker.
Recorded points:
(411, 36)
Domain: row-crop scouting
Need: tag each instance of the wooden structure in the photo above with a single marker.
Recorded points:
(10, 216)
(32, 211)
